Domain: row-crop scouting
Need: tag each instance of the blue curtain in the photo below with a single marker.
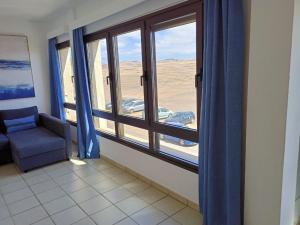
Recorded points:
(220, 161)
(56, 91)
(88, 146)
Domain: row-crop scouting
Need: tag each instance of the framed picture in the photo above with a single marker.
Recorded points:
(15, 68)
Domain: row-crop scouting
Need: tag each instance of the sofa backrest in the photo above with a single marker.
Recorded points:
(17, 113)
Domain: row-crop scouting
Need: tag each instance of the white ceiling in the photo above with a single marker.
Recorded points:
(33, 10)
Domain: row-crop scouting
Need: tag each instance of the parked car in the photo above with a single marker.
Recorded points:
(134, 106)
(125, 101)
(163, 113)
(176, 140)
(181, 117)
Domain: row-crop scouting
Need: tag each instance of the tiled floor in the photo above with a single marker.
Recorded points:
(85, 193)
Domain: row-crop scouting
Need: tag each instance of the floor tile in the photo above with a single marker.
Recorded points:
(33, 173)
(94, 179)
(17, 195)
(2, 202)
(83, 194)
(12, 187)
(151, 195)
(117, 194)
(59, 205)
(9, 179)
(30, 216)
(123, 178)
(7, 221)
(105, 186)
(86, 171)
(23, 205)
(86, 221)
(169, 205)
(37, 179)
(108, 216)
(149, 216)
(126, 221)
(131, 205)
(4, 212)
(50, 195)
(46, 221)
(67, 178)
(137, 186)
(111, 172)
(43, 187)
(59, 172)
(169, 222)
(94, 205)
(74, 186)
(68, 216)
(188, 216)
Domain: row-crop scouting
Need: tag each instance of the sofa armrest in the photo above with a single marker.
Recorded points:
(58, 127)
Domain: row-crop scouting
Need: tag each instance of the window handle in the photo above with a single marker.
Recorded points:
(107, 80)
(198, 77)
(142, 78)
(72, 78)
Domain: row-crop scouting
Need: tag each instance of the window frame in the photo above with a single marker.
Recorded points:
(148, 24)
(67, 105)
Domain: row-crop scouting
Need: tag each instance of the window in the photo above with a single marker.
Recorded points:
(145, 81)
(68, 82)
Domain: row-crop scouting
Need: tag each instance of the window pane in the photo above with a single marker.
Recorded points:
(71, 115)
(175, 54)
(105, 125)
(129, 68)
(98, 71)
(135, 134)
(179, 148)
(67, 74)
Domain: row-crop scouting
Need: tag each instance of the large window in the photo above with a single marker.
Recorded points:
(67, 77)
(145, 82)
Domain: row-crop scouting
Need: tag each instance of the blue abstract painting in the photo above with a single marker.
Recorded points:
(15, 68)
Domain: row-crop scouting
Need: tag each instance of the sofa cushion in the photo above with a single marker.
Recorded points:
(19, 124)
(3, 142)
(35, 141)
(17, 113)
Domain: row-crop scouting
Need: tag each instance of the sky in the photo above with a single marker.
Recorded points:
(174, 43)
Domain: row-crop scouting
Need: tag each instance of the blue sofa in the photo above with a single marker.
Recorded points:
(47, 143)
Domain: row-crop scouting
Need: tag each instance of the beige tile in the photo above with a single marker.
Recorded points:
(105, 186)
(17, 195)
(188, 216)
(59, 205)
(68, 216)
(33, 173)
(108, 216)
(149, 216)
(117, 194)
(7, 221)
(137, 186)
(30, 216)
(151, 195)
(59, 172)
(9, 179)
(127, 221)
(12, 187)
(67, 178)
(86, 221)
(84, 194)
(131, 205)
(169, 205)
(37, 179)
(111, 172)
(4, 212)
(94, 205)
(86, 171)
(46, 221)
(74, 186)
(51, 195)
(169, 222)
(44, 186)
(123, 178)
(23, 205)
(95, 178)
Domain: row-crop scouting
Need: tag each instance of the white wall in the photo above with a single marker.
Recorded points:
(181, 181)
(267, 96)
(39, 61)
